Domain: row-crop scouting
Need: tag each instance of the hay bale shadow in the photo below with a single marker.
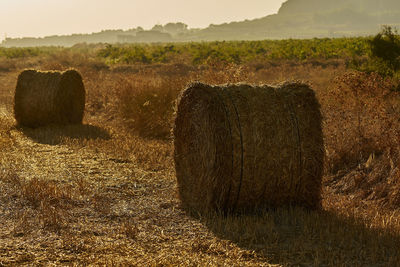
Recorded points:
(59, 134)
(300, 237)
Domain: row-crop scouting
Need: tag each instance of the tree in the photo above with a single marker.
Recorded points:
(385, 46)
(175, 27)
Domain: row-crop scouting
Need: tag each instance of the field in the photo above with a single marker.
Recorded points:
(105, 192)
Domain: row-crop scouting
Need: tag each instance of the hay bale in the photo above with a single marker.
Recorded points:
(239, 147)
(43, 98)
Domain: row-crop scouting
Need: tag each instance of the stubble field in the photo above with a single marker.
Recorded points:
(105, 192)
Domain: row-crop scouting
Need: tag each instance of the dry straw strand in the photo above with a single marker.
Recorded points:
(43, 98)
(242, 147)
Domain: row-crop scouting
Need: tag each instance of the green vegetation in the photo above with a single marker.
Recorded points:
(25, 52)
(370, 54)
(137, 53)
(19, 52)
(237, 51)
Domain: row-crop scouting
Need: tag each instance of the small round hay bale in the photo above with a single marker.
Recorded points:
(239, 147)
(43, 98)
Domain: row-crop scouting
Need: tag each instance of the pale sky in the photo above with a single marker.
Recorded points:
(38, 18)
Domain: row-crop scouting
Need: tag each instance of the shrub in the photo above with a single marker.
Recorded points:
(361, 118)
(386, 46)
(147, 106)
(385, 52)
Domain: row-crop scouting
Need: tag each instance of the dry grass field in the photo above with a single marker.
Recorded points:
(105, 192)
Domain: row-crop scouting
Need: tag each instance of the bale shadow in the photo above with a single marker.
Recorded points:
(299, 237)
(59, 134)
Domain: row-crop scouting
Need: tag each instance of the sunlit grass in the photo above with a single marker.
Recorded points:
(104, 193)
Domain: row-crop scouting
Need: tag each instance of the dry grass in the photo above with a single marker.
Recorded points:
(362, 133)
(99, 194)
(147, 103)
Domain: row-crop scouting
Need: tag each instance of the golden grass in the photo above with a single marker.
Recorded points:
(147, 105)
(99, 194)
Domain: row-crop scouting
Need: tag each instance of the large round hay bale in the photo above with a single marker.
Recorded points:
(239, 147)
(43, 98)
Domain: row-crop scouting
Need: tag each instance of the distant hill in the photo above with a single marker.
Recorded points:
(169, 32)
(322, 6)
(295, 19)
(313, 18)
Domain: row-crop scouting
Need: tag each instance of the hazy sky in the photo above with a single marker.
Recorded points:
(21, 18)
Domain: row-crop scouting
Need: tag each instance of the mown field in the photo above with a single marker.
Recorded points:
(105, 192)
